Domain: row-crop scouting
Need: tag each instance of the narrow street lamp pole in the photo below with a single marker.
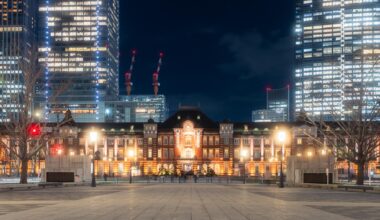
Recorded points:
(281, 136)
(93, 138)
(281, 174)
(93, 181)
(131, 155)
(130, 174)
(243, 155)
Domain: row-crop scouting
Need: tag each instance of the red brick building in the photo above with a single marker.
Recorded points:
(187, 141)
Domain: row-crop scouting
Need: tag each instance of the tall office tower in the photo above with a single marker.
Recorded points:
(278, 101)
(337, 50)
(17, 37)
(79, 50)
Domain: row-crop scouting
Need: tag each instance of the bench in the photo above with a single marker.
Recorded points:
(56, 184)
(364, 188)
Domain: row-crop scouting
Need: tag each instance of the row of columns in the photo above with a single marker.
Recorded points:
(262, 144)
(106, 147)
(251, 145)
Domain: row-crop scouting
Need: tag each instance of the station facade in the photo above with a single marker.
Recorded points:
(187, 142)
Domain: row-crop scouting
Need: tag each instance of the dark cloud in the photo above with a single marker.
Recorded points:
(256, 55)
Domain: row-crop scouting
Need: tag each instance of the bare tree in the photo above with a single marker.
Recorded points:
(354, 134)
(26, 133)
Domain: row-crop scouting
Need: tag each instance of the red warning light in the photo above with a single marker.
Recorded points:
(34, 130)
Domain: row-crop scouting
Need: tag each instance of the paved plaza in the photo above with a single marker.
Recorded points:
(187, 201)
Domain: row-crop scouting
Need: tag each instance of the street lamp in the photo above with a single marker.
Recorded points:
(37, 114)
(244, 154)
(309, 154)
(281, 137)
(131, 154)
(93, 138)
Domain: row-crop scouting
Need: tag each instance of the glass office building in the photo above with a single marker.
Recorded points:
(267, 115)
(137, 108)
(17, 37)
(79, 51)
(278, 101)
(337, 48)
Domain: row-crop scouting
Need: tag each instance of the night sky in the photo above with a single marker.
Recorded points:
(219, 54)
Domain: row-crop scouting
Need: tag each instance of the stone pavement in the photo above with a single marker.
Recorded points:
(188, 201)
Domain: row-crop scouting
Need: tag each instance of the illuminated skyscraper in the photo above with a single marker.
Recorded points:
(337, 50)
(79, 50)
(137, 108)
(17, 38)
(278, 101)
(267, 115)
(277, 106)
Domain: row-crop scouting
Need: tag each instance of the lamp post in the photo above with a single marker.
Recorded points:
(109, 167)
(281, 136)
(325, 153)
(38, 117)
(93, 138)
(370, 173)
(59, 152)
(131, 154)
(244, 154)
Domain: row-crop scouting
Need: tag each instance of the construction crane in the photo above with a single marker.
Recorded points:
(156, 84)
(128, 74)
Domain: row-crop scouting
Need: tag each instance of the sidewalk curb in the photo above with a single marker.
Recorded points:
(24, 187)
(376, 189)
(13, 187)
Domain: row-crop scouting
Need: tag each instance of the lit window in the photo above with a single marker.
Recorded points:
(226, 152)
(236, 141)
(159, 153)
(188, 141)
(211, 140)
(204, 140)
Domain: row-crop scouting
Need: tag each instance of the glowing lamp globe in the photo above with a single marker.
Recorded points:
(281, 136)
